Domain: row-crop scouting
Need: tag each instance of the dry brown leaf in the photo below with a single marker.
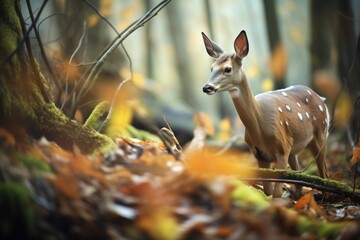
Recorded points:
(67, 185)
(356, 155)
(8, 137)
(327, 83)
(308, 205)
(83, 165)
(304, 201)
(202, 120)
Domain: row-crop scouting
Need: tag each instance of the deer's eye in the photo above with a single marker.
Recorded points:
(227, 70)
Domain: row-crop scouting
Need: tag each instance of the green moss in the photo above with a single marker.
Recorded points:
(56, 126)
(249, 197)
(99, 111)
(33, 163)
(140, 134)
(16, 210)
(323, 230)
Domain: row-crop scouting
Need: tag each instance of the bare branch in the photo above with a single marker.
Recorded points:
(94, 71)
(103, 124)
(42, 51)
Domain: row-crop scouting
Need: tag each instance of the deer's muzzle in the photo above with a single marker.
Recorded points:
(209, 89)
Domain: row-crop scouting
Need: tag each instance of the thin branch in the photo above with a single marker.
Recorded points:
(42, 51)
(108, 116)
(25, 36)
(33, 64)
(70, 61)
(94, 71)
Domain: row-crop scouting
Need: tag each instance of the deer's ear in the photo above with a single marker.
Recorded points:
(212, 48)
(241, 45)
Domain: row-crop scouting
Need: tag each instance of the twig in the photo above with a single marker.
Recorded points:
(116, 31)
(42, 51)
(70, 61)
(103, 124)
(94, 71)
(33, 64)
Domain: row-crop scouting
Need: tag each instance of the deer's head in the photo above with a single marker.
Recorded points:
(226, 70)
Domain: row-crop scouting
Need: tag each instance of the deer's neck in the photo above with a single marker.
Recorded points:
(247, 108)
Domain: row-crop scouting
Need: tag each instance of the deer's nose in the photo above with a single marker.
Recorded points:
(208, 88)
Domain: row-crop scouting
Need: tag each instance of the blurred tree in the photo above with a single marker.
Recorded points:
(334, 48)
(275, 43)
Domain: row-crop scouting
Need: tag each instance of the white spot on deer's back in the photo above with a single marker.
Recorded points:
(284, 94)
(298, 105)
(314, 118)
(288, 107)
(287, 123)
(280, 109)
(307, 100)
(300, 116)
(307, 115)
(321, 108)
(281, 122)
(308, 92)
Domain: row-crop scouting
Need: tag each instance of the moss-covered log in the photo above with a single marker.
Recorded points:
(25, 101)
(302, 179)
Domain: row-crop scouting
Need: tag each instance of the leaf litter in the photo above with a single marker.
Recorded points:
(140, 190)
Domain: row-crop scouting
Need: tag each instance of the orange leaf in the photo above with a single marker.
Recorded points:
(10, 140)
(67, 184)
(206, 165)
(304, 201)
(83, 165)
(356, 155)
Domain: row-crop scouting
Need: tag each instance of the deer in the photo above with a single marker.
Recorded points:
(278, 124)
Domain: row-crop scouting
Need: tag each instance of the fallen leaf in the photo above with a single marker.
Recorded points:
(356, 155)
(205, 164)
(9, 139)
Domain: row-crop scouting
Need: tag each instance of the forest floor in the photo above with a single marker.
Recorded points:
(141, 191)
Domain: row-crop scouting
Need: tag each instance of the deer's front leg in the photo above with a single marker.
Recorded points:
(294, 165)
(281, 163)
(268, 186)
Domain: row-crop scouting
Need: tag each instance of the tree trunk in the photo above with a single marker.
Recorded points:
(25, 101)
(273, 32)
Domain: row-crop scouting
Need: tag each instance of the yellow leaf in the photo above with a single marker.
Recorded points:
(267, 85)
(204, 164)
(343, 110)
(138, 78)
(161, 224)
(225, 129)
(92, 20)
(120, 119)
(106, 7)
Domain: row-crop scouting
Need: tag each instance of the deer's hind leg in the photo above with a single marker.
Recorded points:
(318, 150)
